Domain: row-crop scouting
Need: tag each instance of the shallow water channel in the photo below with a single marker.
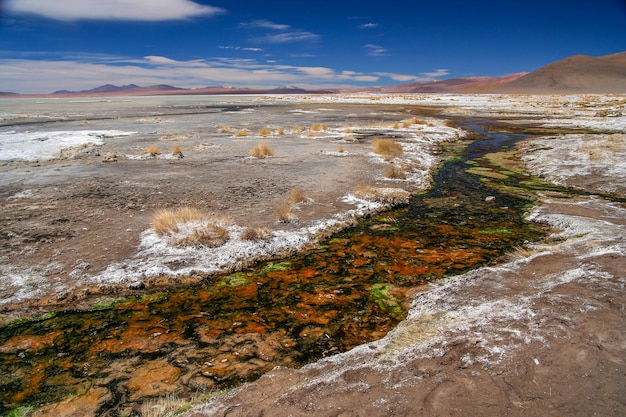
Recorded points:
(353, 288)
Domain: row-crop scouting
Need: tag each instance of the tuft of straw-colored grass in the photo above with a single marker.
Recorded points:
(389, 196)
(284, 212)
(280, 131)
(152, 150)
(241, 133)
(393, 172)
(188, 226)
(167, 406)
(341, 149)
(387, 147)
(177, 151)
(261, 151)
(297, 195)
(166, 221)
(264, 132)
(255, 233)
(211, 235)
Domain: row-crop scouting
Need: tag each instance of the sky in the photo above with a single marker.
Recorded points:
(49, 45)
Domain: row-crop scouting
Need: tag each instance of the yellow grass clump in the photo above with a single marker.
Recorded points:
(261, 151)
(177, 151)
(188, 226)
(280, 131)
(296, 196)
(387, 147)
(152, 150)
(255, 233)
(264, 132)
(284, 212)
(394, 172)
(242, 132)
(389, 196)
(341, 149)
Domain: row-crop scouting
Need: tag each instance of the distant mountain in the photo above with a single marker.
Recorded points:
(163, 89)
(453, 85)
(575, 74)
(110, 88)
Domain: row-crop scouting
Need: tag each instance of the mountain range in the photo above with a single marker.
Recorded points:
(577, 74)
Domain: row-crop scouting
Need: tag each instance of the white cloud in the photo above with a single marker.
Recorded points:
(376, 50)
(288, 37)
(368, 26)
(148, 10)
(265, 24)
(397, 77)
(37, 76)
(436, 74)
(241, 48)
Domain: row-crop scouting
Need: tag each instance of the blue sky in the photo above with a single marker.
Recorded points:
(48, 45)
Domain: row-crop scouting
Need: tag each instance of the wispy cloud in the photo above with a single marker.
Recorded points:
(279, 33)
(368, 26)
(241, 48)
(376, 50)
(36, 76)
(264, 24)
(397, 77)
(287, 37)
(437, 73)
(147, 10)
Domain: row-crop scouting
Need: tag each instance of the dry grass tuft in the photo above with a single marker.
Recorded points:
(256, 233)
(211, 235)
(341, 149)
(177, 151)
(280, 131)
(388, 196)
(152, 150)
(166, 406)
(264, 132)
(241, 133)
(284, 212)
(166, 221)
(387, 147)
(187, 226)
(296, 196)
(394, 172)
(261, 151)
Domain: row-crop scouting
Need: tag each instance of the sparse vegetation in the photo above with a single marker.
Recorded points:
(264, 132)
(341, 149)
(177, 151)
(388, 196)
(387, 147)
(152, 150)
(187, 226)
(255, 233)
(296, 196)
(284, 212)
(261, 151)
(167, 406)
(393, 172)
(280, 131)
(241, 133)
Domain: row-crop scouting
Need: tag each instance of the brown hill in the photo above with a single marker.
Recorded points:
(575, 74)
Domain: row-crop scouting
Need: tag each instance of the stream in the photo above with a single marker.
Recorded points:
(352, 288)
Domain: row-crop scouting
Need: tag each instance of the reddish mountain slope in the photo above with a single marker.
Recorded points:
(575, 74)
